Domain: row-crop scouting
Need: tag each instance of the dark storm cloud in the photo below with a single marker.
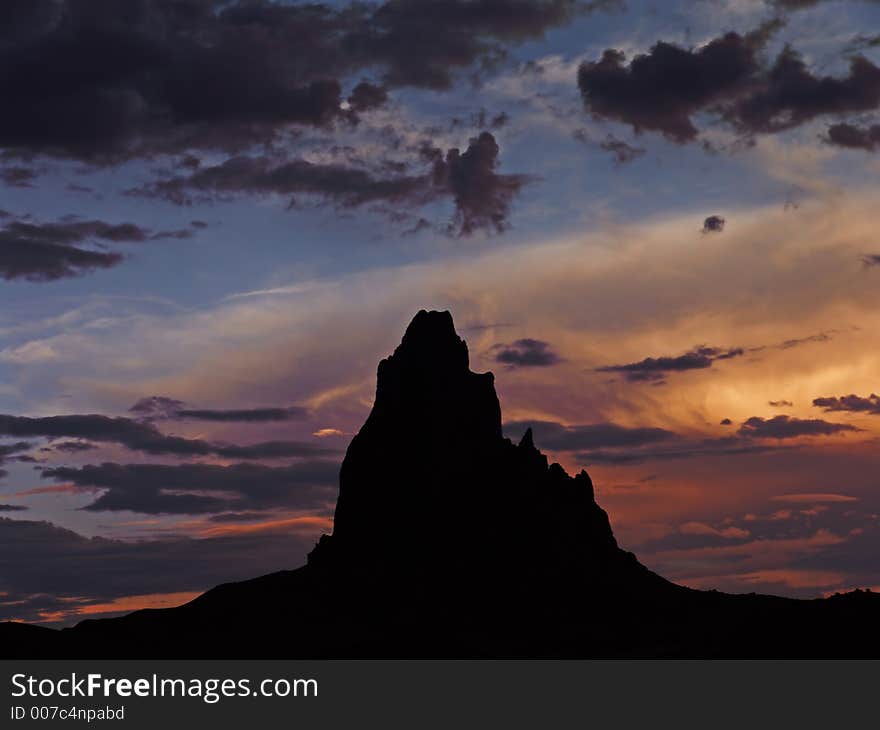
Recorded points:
(655, 369)
(785, 427)
(557, 437)
(789, 94)
(102, 81)
(51, 251)
(159, 407)
(7, 450)
(85, 571)
(664, 89)
(367, 96)
(34, 260)
(713, 224)
(480, 194)
(202, 488)
(850, 403)
(482, 197)
(146, 438)
(853, 137)
(526, 352)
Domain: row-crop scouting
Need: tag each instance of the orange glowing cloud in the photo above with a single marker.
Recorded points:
(309, 523)
(124, 604)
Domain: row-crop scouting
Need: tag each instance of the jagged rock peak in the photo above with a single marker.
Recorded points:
(430, 346)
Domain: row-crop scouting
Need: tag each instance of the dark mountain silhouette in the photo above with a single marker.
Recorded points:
(449, 540)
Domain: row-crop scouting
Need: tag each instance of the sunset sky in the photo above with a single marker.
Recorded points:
(653, 221)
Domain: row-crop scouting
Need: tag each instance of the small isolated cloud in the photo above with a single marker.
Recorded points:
(785, 427)
(780, 403)
(323, 433)
(850, 403)
(713, 224)
(655, 369)
(12, 508)
(726, 422)
(526, 352)
(871, 259)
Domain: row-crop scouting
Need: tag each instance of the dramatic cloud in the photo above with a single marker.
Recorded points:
(789, 94)
(713, 224)
(557, 437)
(367, 96)
(785, 427)
(51, 251)
(526, 353)
(665, 88)
(850, 403)
(144, 437)
(655, 369)
(203, 488)
(609, 443)
(849, 135)
(661, 90)
(480, 194)
(160, 76)
(159, 407)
